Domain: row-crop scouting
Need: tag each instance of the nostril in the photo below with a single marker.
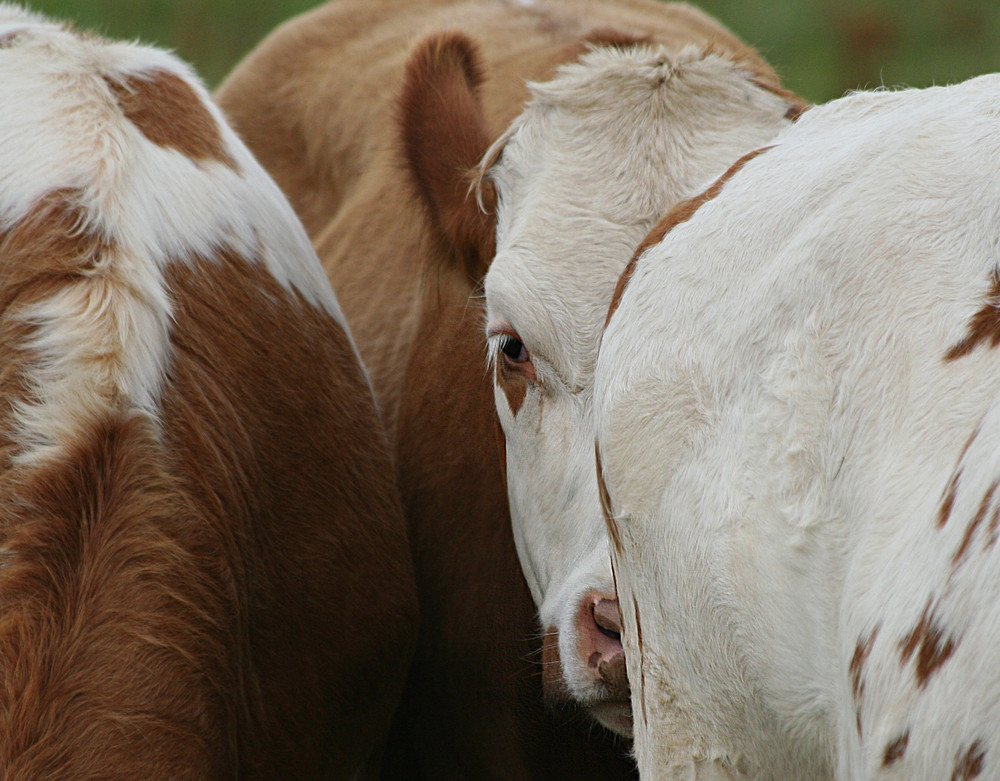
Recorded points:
(613, 672)
(599, 641)
(609, 634)
(608, 618)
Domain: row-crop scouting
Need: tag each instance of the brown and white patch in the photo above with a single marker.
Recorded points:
(984, 506)
(928, 644)
(984, 326)
(895, 749)
(856, 670)
(951, 490)
(168, 112)
(969, 763)
(90, 326)
(513, 385)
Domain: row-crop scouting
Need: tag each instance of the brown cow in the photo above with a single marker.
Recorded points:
(203, 565)
(372, 137)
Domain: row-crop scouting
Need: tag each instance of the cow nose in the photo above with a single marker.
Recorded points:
(599, 626)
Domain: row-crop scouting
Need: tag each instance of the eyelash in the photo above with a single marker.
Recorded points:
(514, 357)
(513, 349)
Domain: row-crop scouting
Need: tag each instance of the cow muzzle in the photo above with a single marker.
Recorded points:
(598, 679)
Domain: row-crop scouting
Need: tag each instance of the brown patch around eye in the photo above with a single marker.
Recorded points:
(169, 113)
(513, 385)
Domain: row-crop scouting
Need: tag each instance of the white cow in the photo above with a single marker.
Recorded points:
(598, 154)
(798, 416)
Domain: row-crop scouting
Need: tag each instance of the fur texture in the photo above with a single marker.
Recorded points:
(599, 153)
(798, 422)
(345, 107)
(197, 505)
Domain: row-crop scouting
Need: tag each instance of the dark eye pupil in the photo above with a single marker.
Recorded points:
(513, 349)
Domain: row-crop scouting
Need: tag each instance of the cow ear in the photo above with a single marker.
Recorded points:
(444, 135)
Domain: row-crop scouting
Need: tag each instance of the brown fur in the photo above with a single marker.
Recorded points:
(38, 255)
(317, 103)
(969, 764)
(440, 99)
(202, 600)
(169, 113)
(929, 646)
(984, 327)
(975, 523)
(118, 659)
(612, 36)
(948, 500)
(895, 749)
(948, 497)
(857, 666)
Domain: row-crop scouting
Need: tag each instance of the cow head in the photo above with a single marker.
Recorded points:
(598, 155)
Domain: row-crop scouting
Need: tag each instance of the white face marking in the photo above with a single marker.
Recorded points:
(601, 152)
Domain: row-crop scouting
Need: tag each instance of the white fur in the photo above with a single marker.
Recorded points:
(62, 128)
(778, 426)
(598, 155)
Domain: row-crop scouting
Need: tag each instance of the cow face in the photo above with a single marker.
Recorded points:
(599, 154)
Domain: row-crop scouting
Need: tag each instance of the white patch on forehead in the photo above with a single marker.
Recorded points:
(106, 335)
(599, 154)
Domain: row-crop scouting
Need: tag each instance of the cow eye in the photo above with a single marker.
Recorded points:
(513, 358)
(513, 349)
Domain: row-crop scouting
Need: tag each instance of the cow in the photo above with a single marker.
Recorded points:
(373, 137)
(371, 117)
(797, 424)
(204, 570)
(581, 176)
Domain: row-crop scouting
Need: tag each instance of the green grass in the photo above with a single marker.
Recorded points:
(821, 47)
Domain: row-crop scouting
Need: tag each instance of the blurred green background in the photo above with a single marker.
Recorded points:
(820, 47)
